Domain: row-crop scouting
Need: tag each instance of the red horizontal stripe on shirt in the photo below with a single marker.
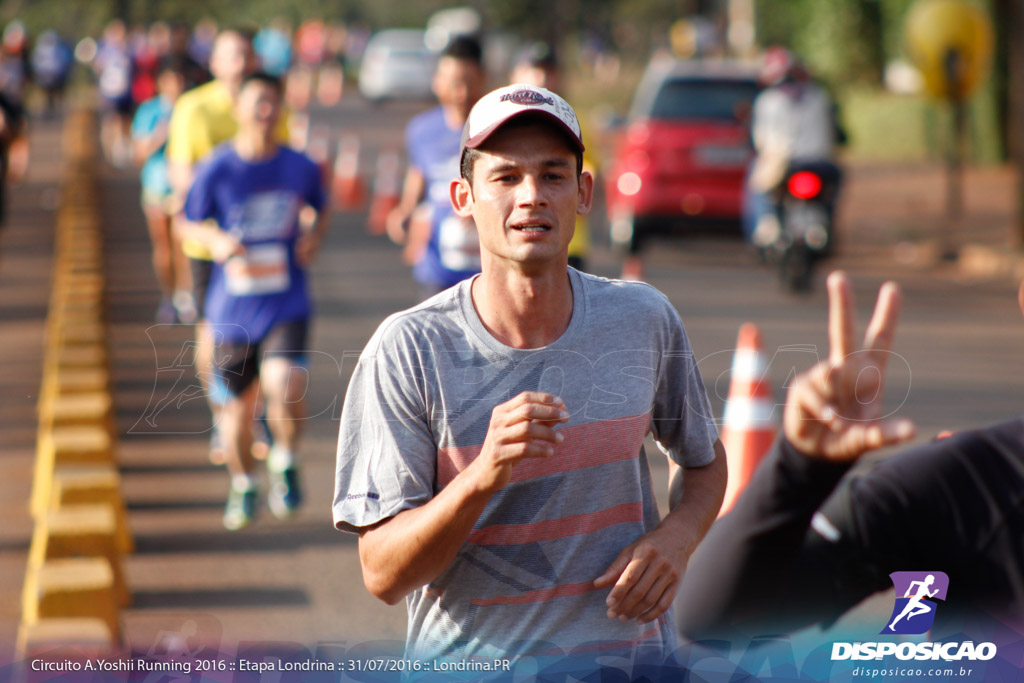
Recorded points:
(566, 590)
(518, 534)
(585, 445)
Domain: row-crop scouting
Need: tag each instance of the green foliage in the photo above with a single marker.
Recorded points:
(72, 18)
(887, 127)
(894, 11)
(840, 40)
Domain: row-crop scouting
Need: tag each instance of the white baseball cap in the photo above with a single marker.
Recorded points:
(499, 106)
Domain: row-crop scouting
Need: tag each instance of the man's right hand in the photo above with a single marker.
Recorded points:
(415, 546)
(523, 427)
(834, 410)
(223, 246)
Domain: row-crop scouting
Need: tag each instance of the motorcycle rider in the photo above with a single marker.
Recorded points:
(793, 124)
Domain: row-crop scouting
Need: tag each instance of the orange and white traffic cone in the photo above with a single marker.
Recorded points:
(349, 189)
(386, 188)
(749, 428)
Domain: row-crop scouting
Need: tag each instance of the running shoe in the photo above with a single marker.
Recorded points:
(166, 313)
(241, 508)
(185, 307)
(284, 496)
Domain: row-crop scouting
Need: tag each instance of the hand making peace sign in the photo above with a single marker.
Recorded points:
(834, 410)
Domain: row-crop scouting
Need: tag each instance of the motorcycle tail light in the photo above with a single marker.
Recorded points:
(804, 185)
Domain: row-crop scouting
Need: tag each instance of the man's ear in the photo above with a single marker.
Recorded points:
(586, 193)
(462, 197)
(1020, 297)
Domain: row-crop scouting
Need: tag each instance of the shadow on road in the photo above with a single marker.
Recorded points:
(174, 505)
(220, 597)
(164, 467)
(276, 539)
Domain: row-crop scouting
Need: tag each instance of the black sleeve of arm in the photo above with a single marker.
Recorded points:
(754, 565)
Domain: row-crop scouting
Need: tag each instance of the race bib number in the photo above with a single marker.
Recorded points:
(459, 244)
(268, 215)
(263, 269)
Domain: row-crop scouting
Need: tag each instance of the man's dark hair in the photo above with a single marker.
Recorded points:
(470, 155)
(466, 48)
(266, 79)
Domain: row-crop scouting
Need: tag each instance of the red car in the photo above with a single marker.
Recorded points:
(682, 156)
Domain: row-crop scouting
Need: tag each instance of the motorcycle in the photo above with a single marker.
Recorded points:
(799, 232)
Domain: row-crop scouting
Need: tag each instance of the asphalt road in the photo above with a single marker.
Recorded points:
(957, 363)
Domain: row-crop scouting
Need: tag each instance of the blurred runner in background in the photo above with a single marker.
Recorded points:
(195, 73)
(149, 136)
(13, 122)
(113, 66)
(51, 66)
(309, 42)
(252, 190)
(15, 64)
(12, 131)
(273, 44)
(331, 83)
(201, 41)
(442, 248)
(202, 119)
(148, 48)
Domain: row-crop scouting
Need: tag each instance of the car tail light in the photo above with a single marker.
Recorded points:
(804, 185)
(638, 160)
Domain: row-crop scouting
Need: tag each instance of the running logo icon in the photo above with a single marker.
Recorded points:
(916, 592)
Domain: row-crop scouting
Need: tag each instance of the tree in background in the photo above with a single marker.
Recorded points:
(843, 40)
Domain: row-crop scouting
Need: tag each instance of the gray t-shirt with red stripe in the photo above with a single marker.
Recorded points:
(417, 412)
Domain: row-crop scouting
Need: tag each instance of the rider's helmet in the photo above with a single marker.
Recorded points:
(779, 64)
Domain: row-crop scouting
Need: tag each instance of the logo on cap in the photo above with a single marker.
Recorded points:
(527, 98)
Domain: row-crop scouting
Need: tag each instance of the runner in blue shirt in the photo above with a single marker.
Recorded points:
(442, 247)
(113, 65)
(244, 205)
